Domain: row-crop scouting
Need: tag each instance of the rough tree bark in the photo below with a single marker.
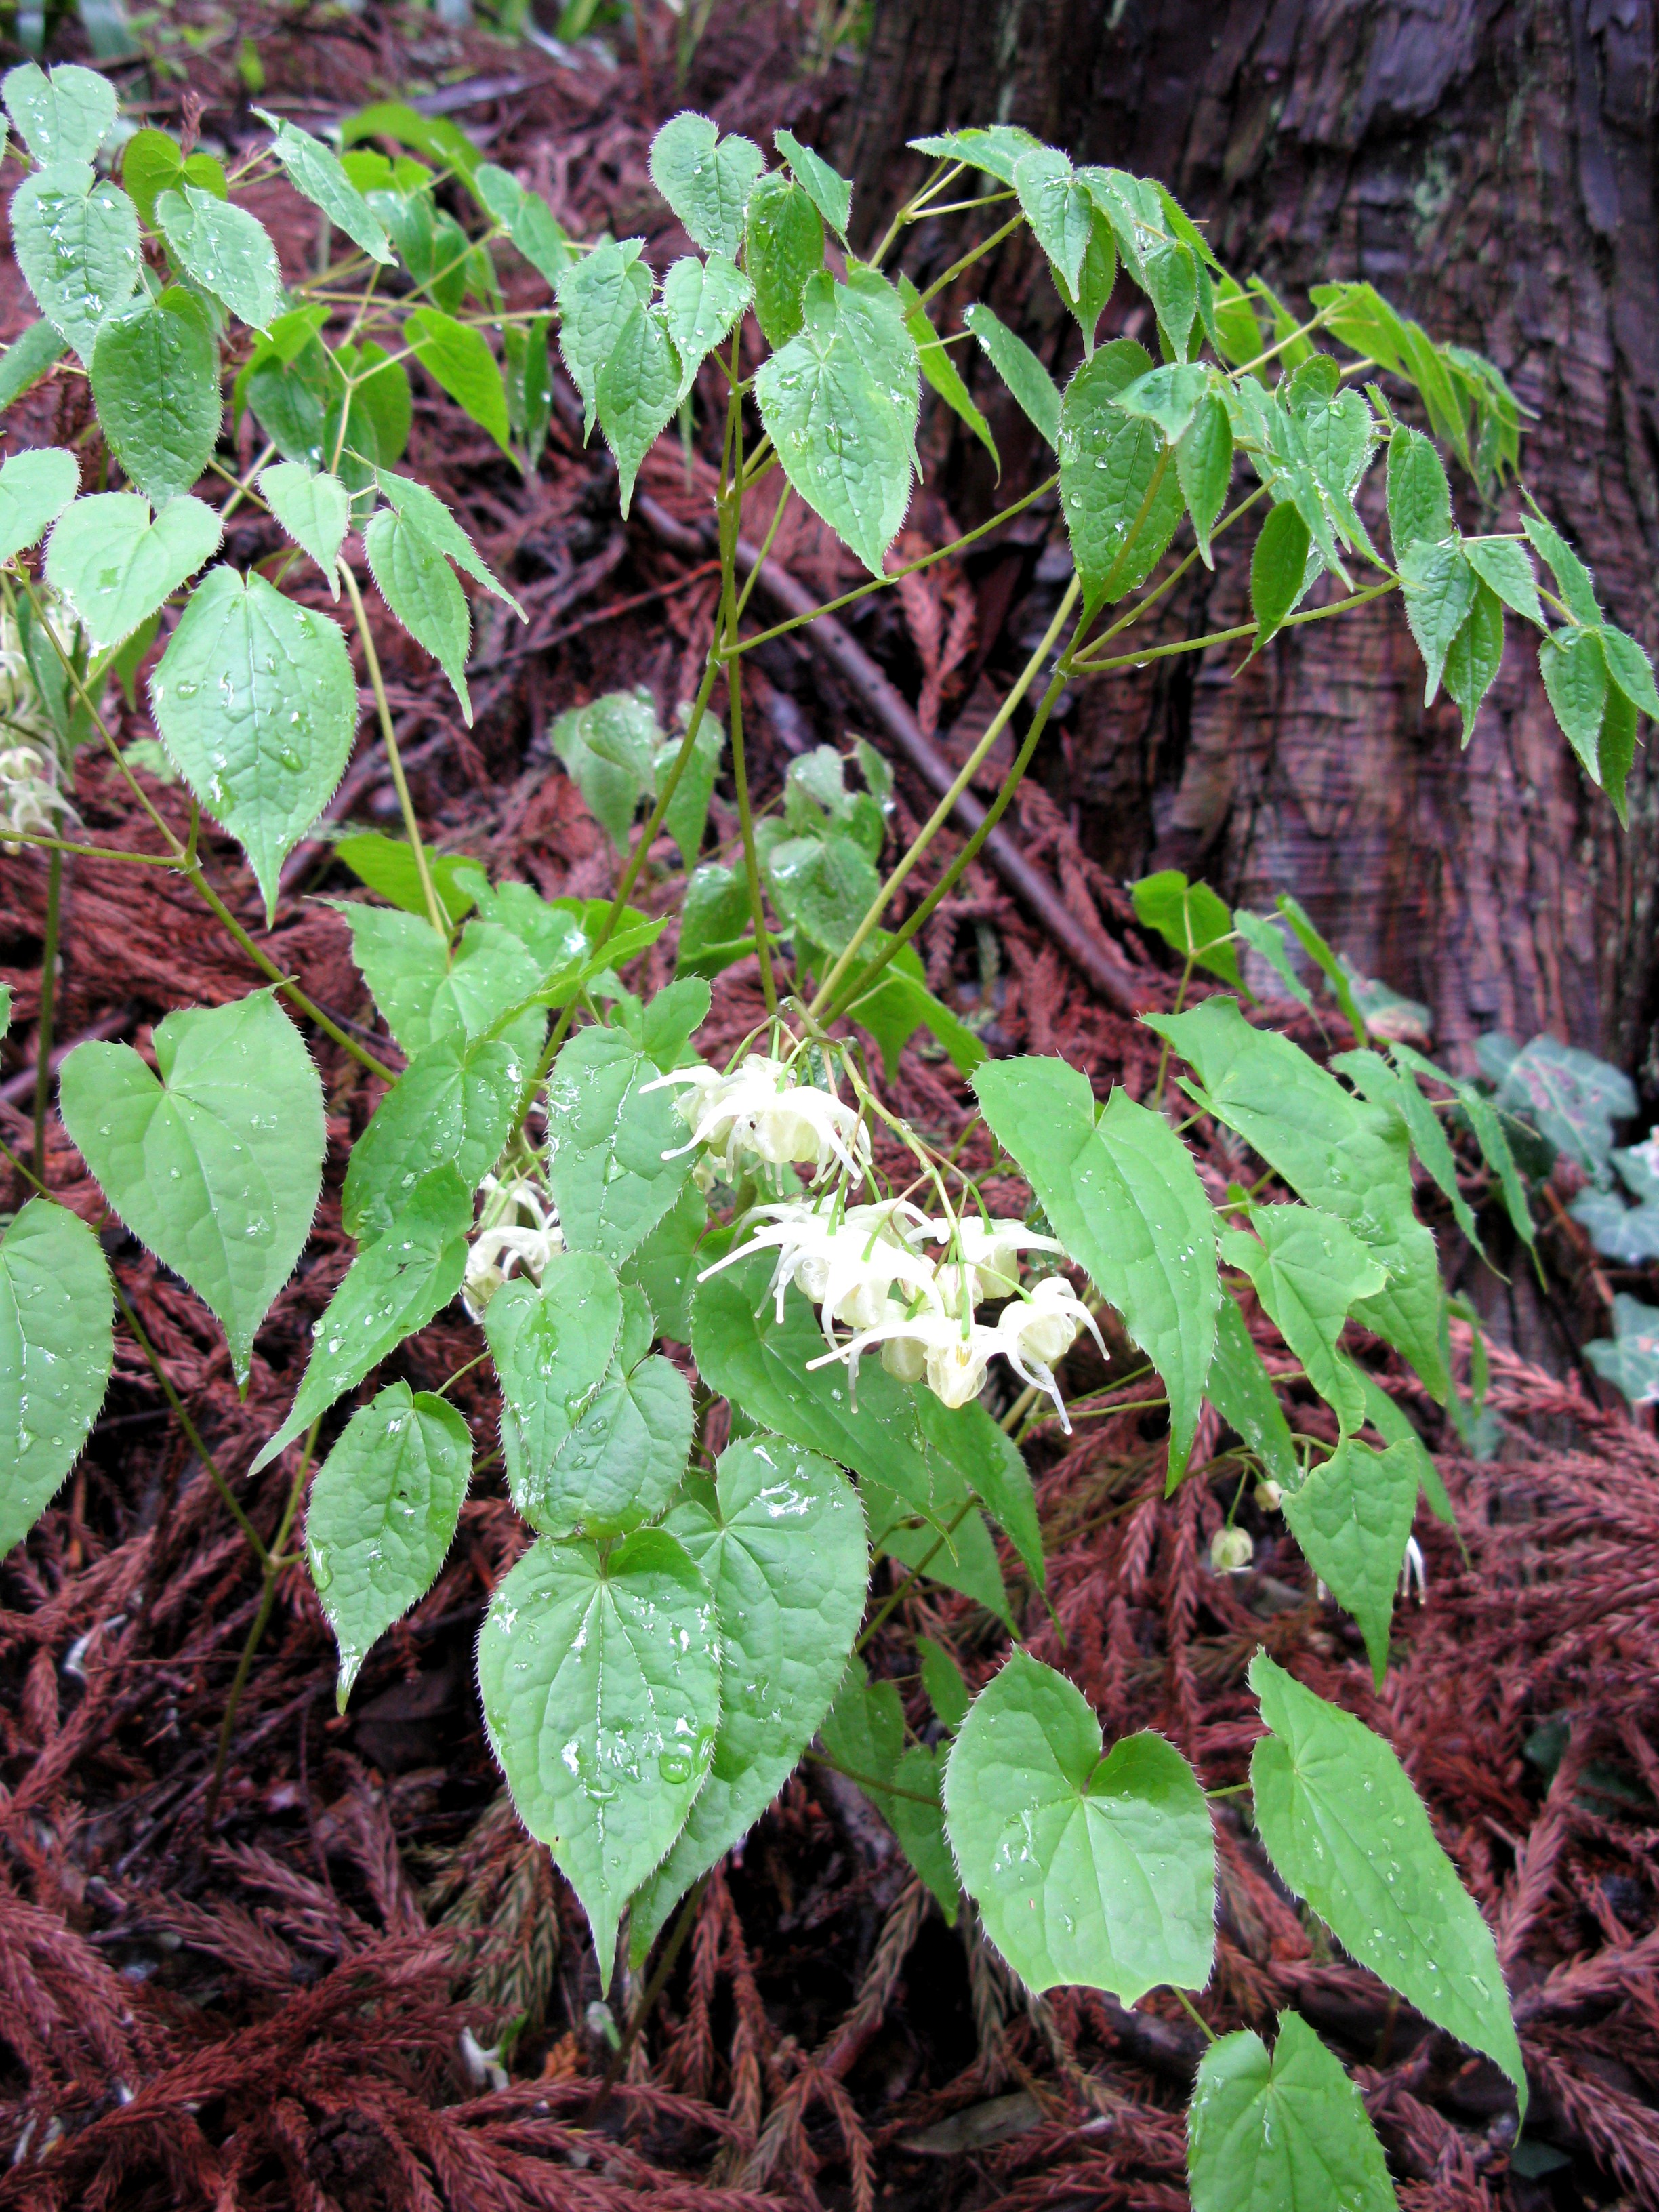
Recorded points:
(1489, 165)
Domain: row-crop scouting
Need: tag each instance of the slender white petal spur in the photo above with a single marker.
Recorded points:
(758, 1108)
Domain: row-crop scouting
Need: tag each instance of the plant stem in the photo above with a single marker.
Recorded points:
(192, 1437)
(1190, 2008)
(942, 813)
(43, 1028)
(912, 1578)
(731, 521)
(44, 844)
(648, 2001)
(975, 253)
(1086, 667)
(868, 1782)
(435, 914)
(274, 1563)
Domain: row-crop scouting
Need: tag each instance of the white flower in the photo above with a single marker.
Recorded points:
(519, 1227)
(1037, 1331)
(1412, 1569)
(759, 1108)
(992, 1249)
(847, 1266)
(954, 1357)
(1231, 1550)
(30, 801)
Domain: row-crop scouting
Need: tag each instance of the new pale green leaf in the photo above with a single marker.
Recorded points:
(314, 508)
(115, 563)
(1347, 1831)
(1285, 2132)
(228, 251)
(831, 193)
(701, 301)
(314, 170)
(389, 1290)
(215, 1163)
(552, 1344)
(35, 487)
(421, 589)
(1019, 369)
(457, 359)
(62, 117)
(779, 1534)
(155, 385)
(1352, 1517)
(1088, 1871)
(384, 1510)
(1125, 1201)
(596, 296)
(56, 1349)
(600, 1678)
(706, 179)
(257, 704)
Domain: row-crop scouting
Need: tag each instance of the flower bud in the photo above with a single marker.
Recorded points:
(905, 1358)
(1230, 1550)
(1269, 1495)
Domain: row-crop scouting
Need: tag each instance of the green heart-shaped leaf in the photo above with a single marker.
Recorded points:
(115, 564)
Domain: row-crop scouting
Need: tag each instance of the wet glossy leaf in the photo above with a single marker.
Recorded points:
(385, 1506)
(1099, 1873)
(706, 179)
(1475, 654)
(257, 704)
(1119, 489)
(64, 116)
(153, 162)
(115, 563)
(1125, 1199)
(420, 588)
(74, 237)
(1204, 468)
(215, 1163)
(600, 1681)
(829, 193)
(155, 385)
(1439, 593)
(1419, 497)
(27, 360)
(779, 1534)
(455, 1101)
(1352, 1517)
(1057, 205)
(1309, 1272)
(35, 487)
(1279, 567)
(701, 301)
(552, 1344)
(314, 170)
(314, 508)
(995, 150)
(941, 372)
(1574, 668)
(228, 251)
(56, 1349)
(1285, 2132)
(596, 295)
(1019, 369)
(626, 1452)
(783, 247)
(1347, 1831)
(637, 391)
(606, 1137)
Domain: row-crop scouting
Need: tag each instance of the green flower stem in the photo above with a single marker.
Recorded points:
(43, 1027)
(912, 1578)
(740, 769)
(274, 1563)
(942, 813)
(244, 484)
(895, 576)
(86, 852)
(1086, 667)
(975, 253)
(784, 498)
(435, 914)
(868, 1784)
(944, 173)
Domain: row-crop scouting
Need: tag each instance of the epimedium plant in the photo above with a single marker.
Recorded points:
(682, 1624)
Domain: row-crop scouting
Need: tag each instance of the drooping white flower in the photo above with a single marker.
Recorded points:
(1231, 1550)
(31, 803)
(518, 1227)
(955, 1357)
(759, 1109)
(846, 1265)
(992, 1249)
(1034, 1334)
(1412, 1570)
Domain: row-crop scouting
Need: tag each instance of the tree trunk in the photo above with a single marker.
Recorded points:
(1490, 168)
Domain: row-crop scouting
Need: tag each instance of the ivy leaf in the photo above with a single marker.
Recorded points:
(783, 247)
(314, 171)
(257, 704)
(1125, 1199)
(391, 1289)
(1336, 1152)
(1190, 918)
(155, 386)
(455, 1101)
(27, 360)
(457, 360)
(1242, 1391)
(1057, 205)
(1204, 468)
(625, 1455)
(1098, 1872)
(420, 589)
(552, 1345)
(1287, 2132)
(74, 237)
(940, 370)
(840, 403)
(1309, 1273)
(116, 564)
(637, 391)
(1352, 1517)
(35, 487)
(215, 1162)
(596, 296)
(706, 179)
(1377, 1877)
(701, 302)
(1020, 370)
(228, 251)
(779, 1534)
(56, 1350)
(62, 117)
(314, 508)
(829, 193)
(1504, 568)
(1439, 593)
(1574, 668)
(1418, 496)
(1476, 654)
(606, 1137)
(383, 1513)
(601, 1688)
(1118, 485)
(1278, 570)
